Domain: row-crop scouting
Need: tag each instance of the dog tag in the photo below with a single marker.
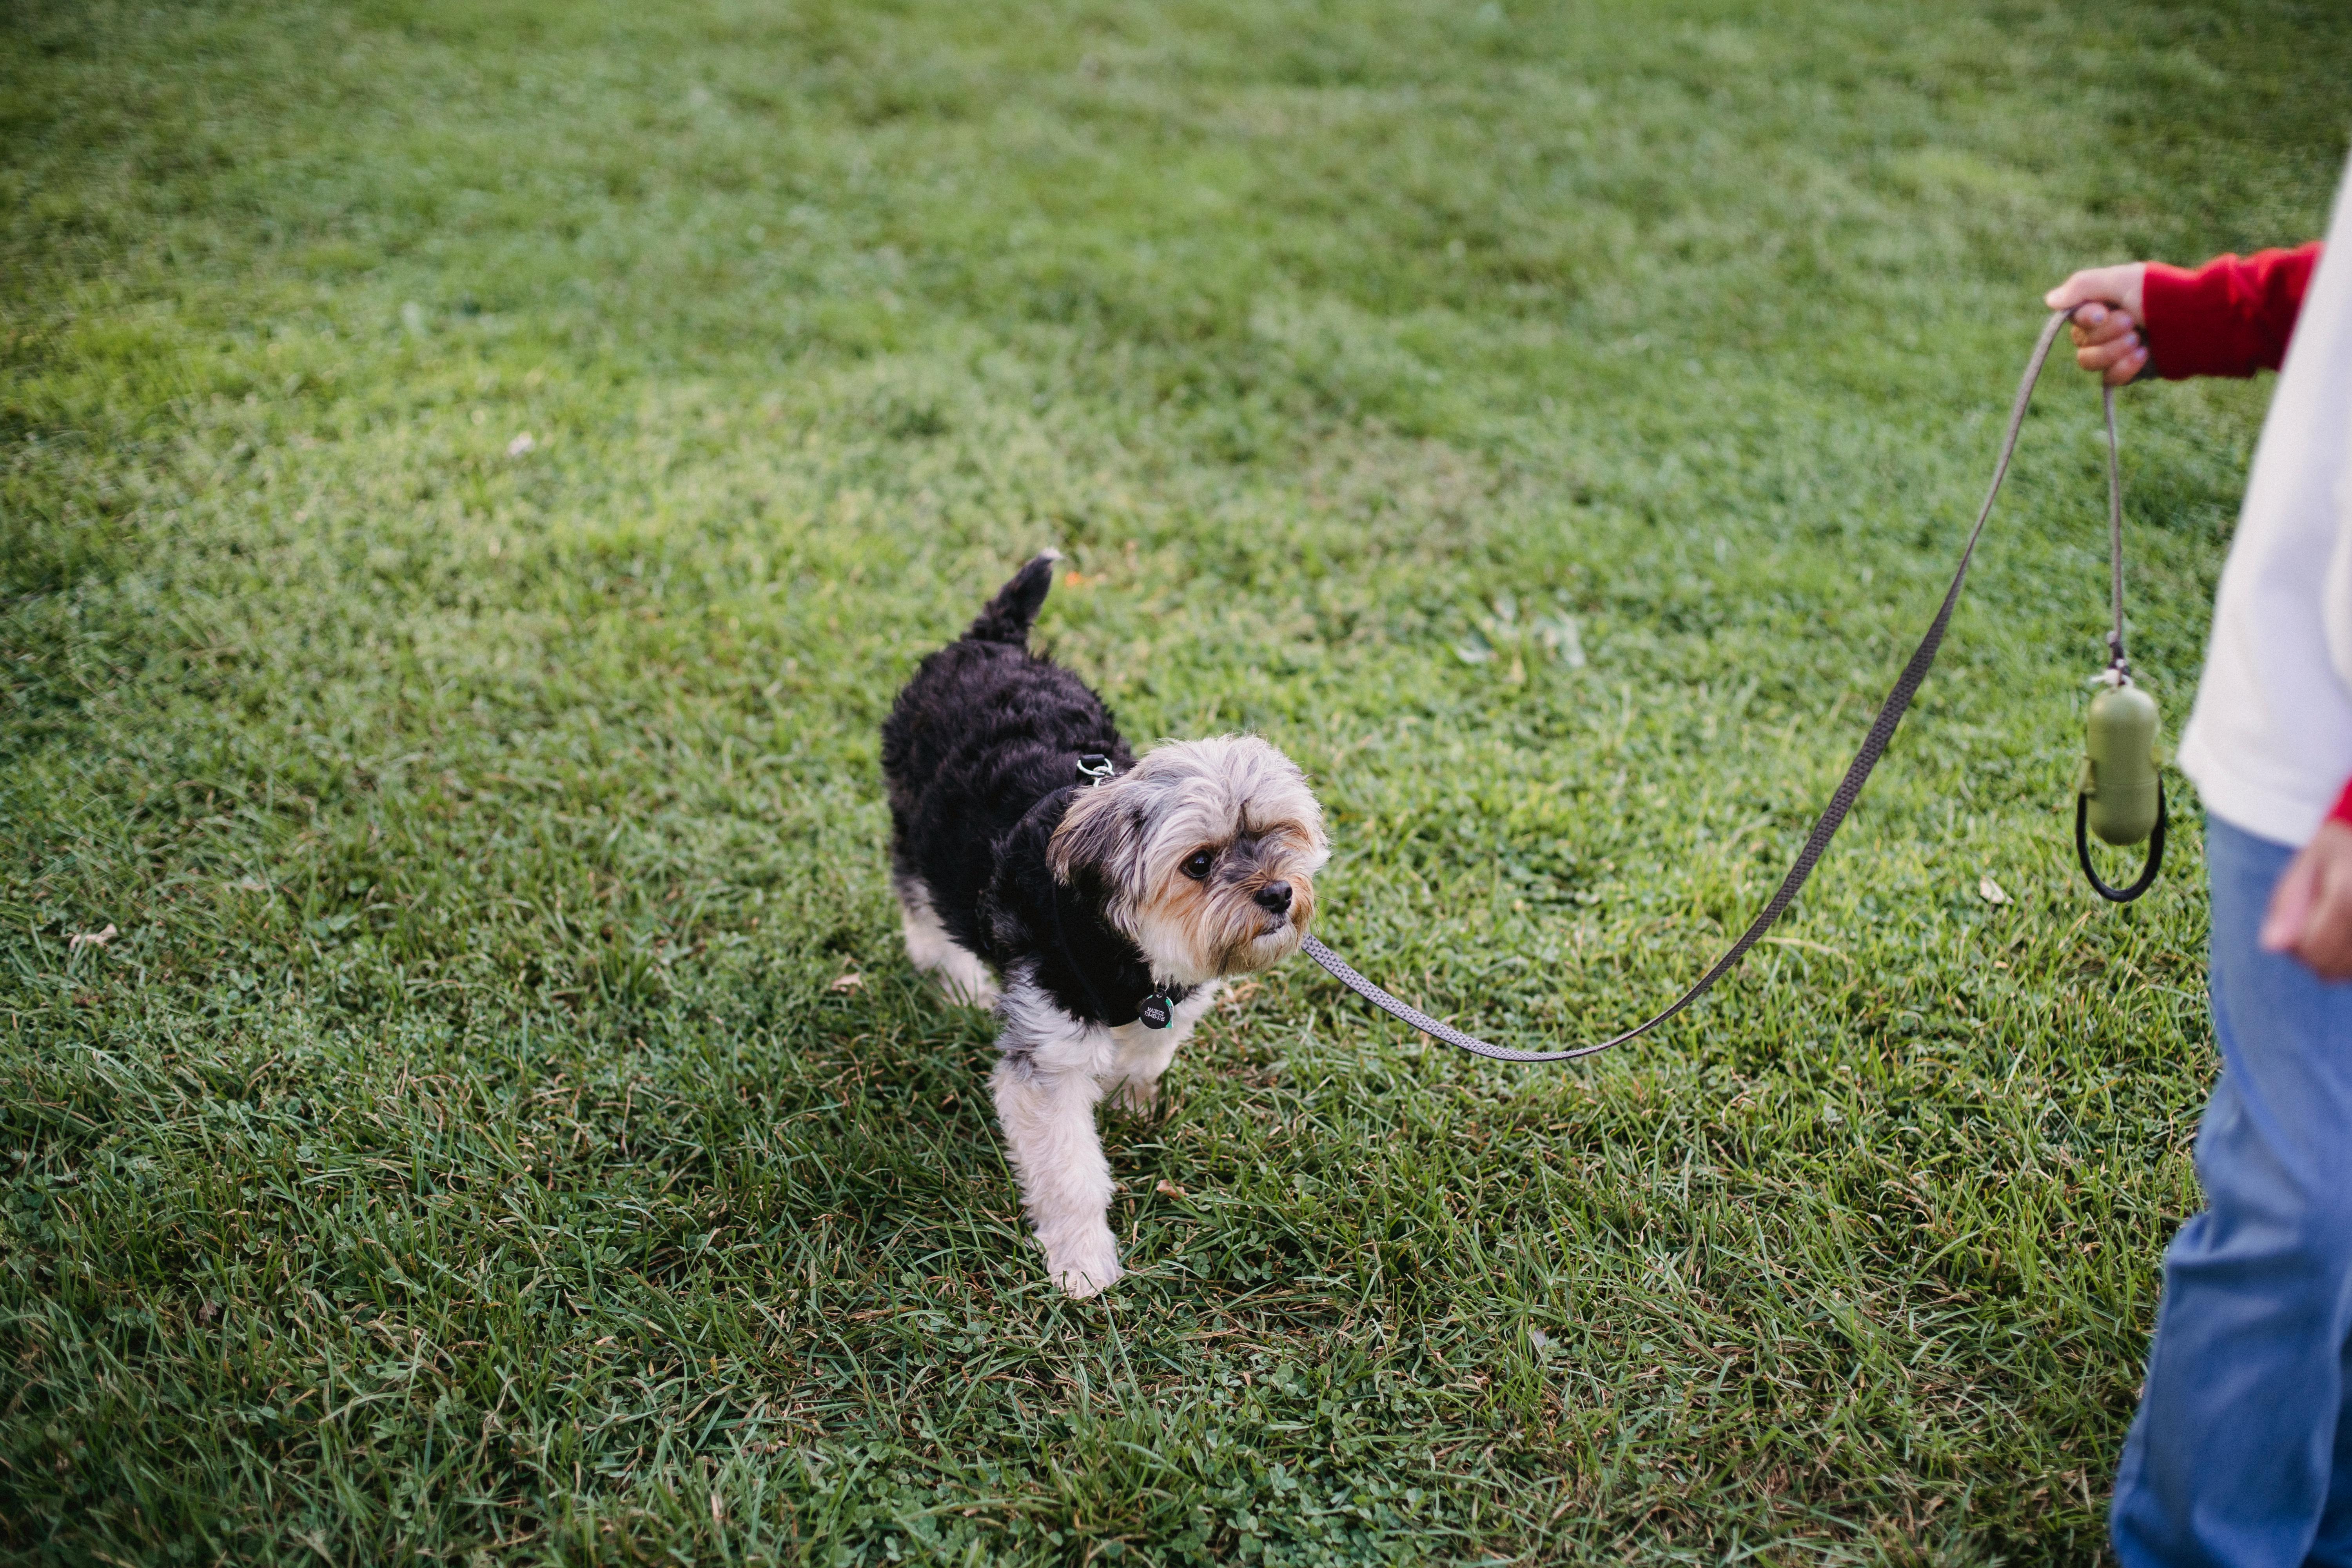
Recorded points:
(1156, 1012)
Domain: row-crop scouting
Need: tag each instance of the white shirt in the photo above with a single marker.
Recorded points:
(2270, 743)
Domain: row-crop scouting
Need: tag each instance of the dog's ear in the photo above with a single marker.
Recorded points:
(1100, 836)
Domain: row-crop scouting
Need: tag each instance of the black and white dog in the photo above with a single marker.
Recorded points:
(1098, 902)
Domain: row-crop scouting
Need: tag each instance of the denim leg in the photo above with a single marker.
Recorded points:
(2231, 1460)
(2332, 1549)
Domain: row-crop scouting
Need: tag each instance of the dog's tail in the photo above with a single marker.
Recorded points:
(1009, 615)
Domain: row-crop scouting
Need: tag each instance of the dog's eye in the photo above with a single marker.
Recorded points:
(1198, 863)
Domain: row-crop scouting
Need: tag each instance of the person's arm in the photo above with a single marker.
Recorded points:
(2230, 317)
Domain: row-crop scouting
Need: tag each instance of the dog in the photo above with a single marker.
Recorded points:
(1097, 902)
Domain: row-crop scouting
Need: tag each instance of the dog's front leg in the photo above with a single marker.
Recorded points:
(1046, 1086)
(1140, 1073)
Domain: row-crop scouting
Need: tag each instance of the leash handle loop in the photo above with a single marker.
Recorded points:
(1849, 789)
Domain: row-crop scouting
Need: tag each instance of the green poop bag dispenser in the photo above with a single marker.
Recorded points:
(2118, 778)
(2119, 789)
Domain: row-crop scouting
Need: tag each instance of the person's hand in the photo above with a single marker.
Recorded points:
(2109, 338)
(2311, 909)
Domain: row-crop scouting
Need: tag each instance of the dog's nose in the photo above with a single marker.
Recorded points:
(1273, 898)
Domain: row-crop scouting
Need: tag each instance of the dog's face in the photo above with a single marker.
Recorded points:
(1205, 855)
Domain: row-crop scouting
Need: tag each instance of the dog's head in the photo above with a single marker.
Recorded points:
(1204, 854)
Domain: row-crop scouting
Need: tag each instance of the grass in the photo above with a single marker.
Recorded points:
(505, 1128)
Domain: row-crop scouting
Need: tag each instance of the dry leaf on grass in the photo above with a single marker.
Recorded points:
(1990, 891)
(93, 937)
(1168, 1189)
(843, 984)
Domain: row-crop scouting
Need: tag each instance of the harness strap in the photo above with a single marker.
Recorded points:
(1849, 789)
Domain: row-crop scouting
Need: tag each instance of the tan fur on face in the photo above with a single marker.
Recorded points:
(1235, 794)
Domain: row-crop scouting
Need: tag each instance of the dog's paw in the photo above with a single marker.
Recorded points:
(1088, 1266)
(1137, 1098)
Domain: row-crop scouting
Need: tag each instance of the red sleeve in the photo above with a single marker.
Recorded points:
(2228, 316)
(2343, 812)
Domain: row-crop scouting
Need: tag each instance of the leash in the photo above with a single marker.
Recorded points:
(1857, 772)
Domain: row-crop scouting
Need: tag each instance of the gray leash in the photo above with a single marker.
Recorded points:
(1849, 789)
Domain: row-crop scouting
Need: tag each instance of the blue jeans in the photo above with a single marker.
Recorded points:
(2241, 1453)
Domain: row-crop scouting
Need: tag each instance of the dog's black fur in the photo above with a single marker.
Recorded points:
(980, 755)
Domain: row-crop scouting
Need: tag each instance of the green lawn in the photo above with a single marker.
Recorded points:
(473, 474)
